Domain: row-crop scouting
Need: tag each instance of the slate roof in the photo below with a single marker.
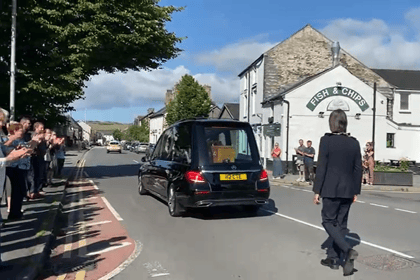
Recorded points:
(161, 112)
(232, 109)
(402, 79)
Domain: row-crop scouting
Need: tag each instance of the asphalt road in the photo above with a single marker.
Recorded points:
(282, 241)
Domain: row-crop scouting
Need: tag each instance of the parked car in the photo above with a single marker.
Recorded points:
(134, 147)
(114, 146)
(142, 147)
(205, 163)
(149, 150)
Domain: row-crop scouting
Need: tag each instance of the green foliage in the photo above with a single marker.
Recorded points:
(191, 100)
(117, 134)
(404, 164)
(403, 167)
(139, 133)
(61, 44)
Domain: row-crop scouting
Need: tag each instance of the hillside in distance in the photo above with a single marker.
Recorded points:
(107, 126)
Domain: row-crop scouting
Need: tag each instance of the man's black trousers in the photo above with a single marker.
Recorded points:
(18, 181)
(335, 213)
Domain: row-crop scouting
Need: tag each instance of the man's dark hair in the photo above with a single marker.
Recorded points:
(338, 121)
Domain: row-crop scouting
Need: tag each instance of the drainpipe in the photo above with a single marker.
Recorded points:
(249, 94)
(374, 119)
(287, 136)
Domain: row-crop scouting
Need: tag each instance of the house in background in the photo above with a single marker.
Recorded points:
(157, 125)
(86, 131)
(139, 119)
(214, 111)
(72, 131)
(229, 111)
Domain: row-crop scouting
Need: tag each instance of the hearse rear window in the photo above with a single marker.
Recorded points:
(228, 145)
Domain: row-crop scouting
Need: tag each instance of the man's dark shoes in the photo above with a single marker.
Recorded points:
(282, 176)
(348, 267)
(333, 264)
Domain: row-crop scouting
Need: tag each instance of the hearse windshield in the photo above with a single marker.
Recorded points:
(229, 144)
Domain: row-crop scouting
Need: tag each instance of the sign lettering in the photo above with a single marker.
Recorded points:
(337, 91)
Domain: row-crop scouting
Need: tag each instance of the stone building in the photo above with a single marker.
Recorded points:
(288, 92)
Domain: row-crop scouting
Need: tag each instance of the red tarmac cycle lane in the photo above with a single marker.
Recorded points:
(92, 243)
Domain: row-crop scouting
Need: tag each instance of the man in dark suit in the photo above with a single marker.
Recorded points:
(338, 181)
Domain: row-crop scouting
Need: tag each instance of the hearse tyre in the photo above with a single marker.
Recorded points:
(142, 190)
(175, 209)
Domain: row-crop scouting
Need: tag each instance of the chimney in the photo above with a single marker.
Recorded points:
(208, 90)
(168, 96)
(335, 49)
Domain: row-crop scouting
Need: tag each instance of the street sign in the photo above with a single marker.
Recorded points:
(273, 129)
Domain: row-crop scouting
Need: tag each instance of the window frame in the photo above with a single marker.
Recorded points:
(392, 144)
(408, 101)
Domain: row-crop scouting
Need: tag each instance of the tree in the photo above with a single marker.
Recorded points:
(61, 44)
(139, 133)
(191, 100)
(117, 134)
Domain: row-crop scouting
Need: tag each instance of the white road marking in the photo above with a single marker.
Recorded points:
(156, 269)
(379, 205)
(361, 241)
(160, 274)
(408, 211)
(93, 184)
(111, 248)
(115, 213)
(360, 201)
(135, 161)
(86, 174)
(98, 223)
(137, 250)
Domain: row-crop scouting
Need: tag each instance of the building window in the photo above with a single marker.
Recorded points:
(245, 82)
(245, 99)
(254, 100)
(254, 76)
(390, 137)
(404, 101)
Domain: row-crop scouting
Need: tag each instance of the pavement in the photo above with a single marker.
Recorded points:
(25, 243)
(291, 179)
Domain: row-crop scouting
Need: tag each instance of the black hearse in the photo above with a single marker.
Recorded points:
(205, 163)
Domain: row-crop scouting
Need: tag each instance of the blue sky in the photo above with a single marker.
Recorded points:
(223, 37)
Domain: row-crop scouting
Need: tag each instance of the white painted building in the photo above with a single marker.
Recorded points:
(300, 72)
(109, 138)
(86, 131)
(157, 125)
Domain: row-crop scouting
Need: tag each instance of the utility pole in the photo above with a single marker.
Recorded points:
(13, 62)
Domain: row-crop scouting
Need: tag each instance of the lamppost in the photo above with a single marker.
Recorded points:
(12, 62)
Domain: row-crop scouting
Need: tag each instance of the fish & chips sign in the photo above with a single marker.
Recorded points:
(337, 91)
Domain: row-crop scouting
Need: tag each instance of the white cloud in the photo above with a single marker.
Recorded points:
(235, 57)
(131, 89)
(223, 90)
(139, 89)
(377, 44)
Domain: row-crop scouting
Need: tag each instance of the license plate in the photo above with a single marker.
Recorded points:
(233, 177)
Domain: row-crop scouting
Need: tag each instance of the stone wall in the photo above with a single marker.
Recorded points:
(304, 54)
